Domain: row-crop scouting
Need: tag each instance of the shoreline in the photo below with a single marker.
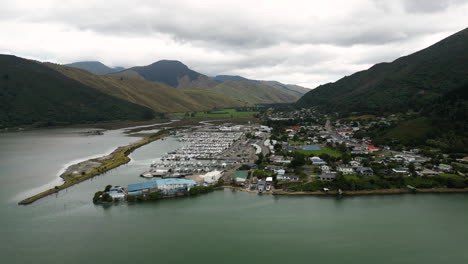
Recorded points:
(94, 167)
(371, 192)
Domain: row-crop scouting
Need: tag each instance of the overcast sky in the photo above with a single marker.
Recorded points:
(302, 42)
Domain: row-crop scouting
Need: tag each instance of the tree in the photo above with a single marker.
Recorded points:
(97, 196)
(154, 196)
(346, 158)
(106, 197)
(108, 187)
(244, 167)
(325, 157)
(278, 147)
(260, 159)
(412, 169)
(342, 147)
(298, 160)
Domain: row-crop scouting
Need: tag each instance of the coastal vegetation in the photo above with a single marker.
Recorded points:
(205, 189)
(361, 183)
(115, 159)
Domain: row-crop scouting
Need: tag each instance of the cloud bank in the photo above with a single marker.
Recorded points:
(301, 42)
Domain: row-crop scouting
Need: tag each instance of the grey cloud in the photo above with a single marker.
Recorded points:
(429, 6)
(312, 42)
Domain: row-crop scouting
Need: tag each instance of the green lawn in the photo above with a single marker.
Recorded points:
(352, 177)
(328, 151)
(225, 113)
(295, 143)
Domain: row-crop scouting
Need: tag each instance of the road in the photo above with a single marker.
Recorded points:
(332, 132)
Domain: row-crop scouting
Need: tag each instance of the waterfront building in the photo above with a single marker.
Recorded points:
(327, 176)
(240, 177)
(165, 186)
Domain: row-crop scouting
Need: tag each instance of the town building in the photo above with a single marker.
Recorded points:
(287, 177)
(327, 176)
(366, 171)
(345, 170)
(165, 186)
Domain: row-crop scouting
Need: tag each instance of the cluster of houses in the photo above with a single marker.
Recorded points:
(328, 174)
(240, 178)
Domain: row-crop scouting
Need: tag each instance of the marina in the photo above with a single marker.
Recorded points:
(208, 149)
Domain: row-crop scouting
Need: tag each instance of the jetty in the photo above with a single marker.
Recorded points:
(95, 167)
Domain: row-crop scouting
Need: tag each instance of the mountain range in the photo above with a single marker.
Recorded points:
(95, 67)
(35, 92)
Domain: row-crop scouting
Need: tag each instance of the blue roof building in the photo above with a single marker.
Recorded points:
(311, 148)
(170, 185)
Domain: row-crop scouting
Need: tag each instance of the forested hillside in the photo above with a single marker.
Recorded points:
(32, 93)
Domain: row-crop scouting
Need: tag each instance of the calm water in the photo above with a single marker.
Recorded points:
(221, 227)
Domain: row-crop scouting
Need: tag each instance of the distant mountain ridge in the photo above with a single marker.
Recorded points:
(223, 78)
(157, 96)
(95, 67)
(178, 75)
(170, 72)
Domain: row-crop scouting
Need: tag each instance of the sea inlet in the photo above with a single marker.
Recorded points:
(225, 226)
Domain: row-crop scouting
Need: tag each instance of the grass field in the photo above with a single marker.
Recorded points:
(328, 151)
(225, 113)
(361, 117)
(296, 143)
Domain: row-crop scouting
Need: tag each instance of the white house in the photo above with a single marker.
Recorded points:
(325, 169)
(287, 178)
(280, 172)
(345, 170)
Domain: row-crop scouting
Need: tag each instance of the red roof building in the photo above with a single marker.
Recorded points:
(372, 148)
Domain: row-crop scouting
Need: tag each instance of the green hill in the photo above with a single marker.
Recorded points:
(442, 123)
(428, 89)
(292, 89)
(155, 95)
(95, 67)
(254, 92)
(32, 93)
(409, 82)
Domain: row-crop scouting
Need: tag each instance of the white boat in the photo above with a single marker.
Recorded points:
(146, 175)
